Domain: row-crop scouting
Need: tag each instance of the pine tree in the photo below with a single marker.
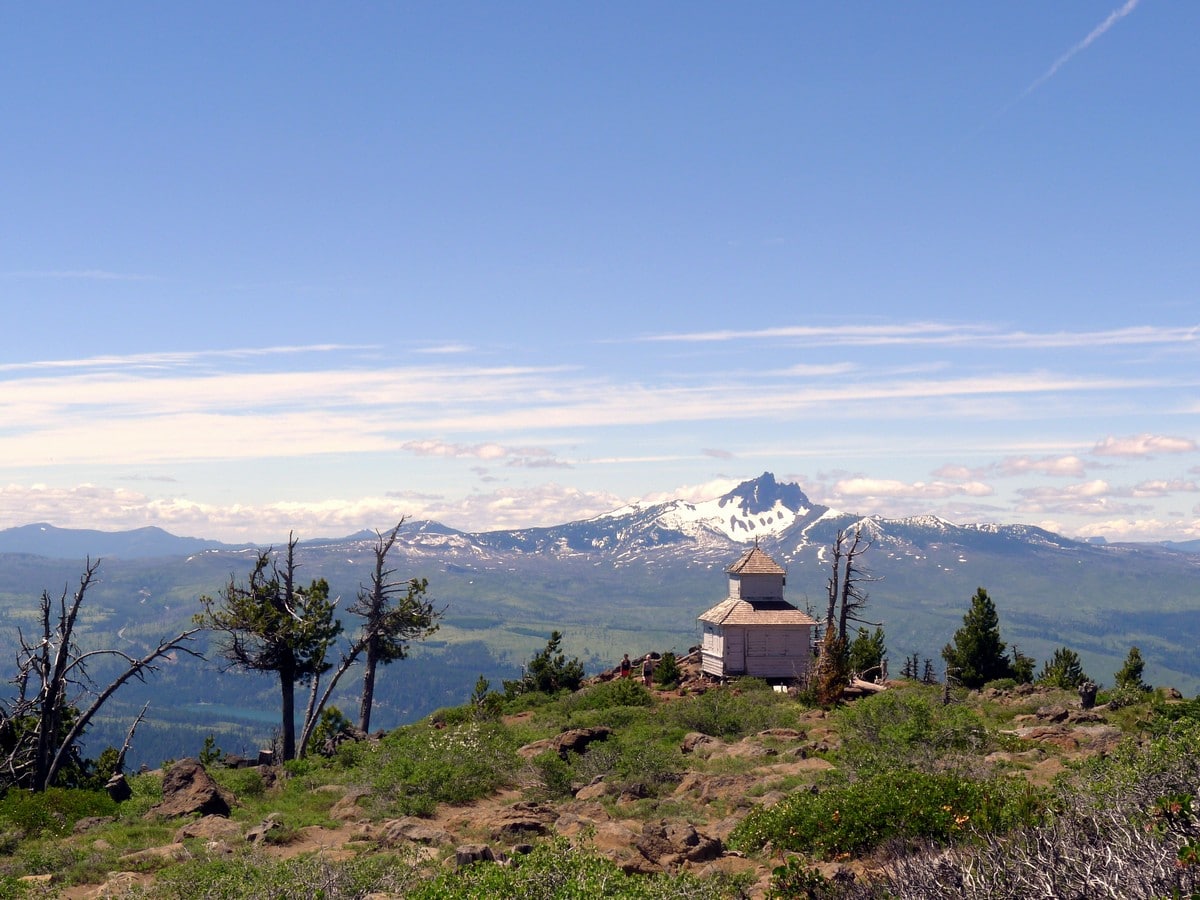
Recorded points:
(867, 651)
(1063, 670)
(272, 624)
(1130, 676)
(976, 656)
(548, 672)
(1022, 666)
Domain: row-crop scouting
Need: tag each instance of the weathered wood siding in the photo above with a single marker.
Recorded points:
(763, 652)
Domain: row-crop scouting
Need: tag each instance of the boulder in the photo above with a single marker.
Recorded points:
(576, 740)
(472, 853)
(87, 823)
(694, 740)
(348, 808)
(594, 791)
(411, 830)
(188, 789)
(521, 820)
(1053, 713)
(261, 832)
(669, 844)
(209, 828)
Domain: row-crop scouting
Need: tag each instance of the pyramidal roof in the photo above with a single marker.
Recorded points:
(756, 612)
(755, 562)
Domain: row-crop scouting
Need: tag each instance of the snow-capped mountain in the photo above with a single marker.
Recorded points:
(654, 567)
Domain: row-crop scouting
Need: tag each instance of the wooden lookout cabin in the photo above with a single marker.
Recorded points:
(754, 631)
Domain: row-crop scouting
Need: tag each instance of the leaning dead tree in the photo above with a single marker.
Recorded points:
(846, 595)
(845, 600)
(392, 612)
(56, 699)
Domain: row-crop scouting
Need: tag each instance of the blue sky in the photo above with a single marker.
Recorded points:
(277, 266)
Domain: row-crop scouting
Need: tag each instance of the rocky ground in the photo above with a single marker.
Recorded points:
(739, 775)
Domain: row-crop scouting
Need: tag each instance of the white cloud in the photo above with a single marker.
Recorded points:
(1070, 466)
(955, 472)
(1143, 445)
(694, 493)
(1088, 498)
(85, 505)
(1135, 529)
(1163, 488)
(1016, 466)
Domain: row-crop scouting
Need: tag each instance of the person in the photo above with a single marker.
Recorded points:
(647, 671)
(626, 666)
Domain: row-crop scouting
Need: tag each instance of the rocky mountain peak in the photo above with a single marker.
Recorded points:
(764, 493)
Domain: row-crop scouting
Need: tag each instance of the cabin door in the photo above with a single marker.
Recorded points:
(737, 652)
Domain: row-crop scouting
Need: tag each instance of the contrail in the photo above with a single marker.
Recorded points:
(1113, 17)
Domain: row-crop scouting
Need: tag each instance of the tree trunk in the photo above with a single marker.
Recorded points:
(368, 688)
(287, 690)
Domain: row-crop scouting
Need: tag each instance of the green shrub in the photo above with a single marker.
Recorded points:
(243, 783)
(901, 803)
(557, 871)
(906, 726)
(609, 694)
(547, 672)
(1001, 684)
(210, 754)
(53, 812)
(1063, 670)
(251, 876)
(734, 711)
(667, 673)
(795, 881)
(419, 766)
(330, 728)
(553, 774)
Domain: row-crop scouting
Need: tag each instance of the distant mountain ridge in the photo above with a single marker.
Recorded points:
(43, 539)
(631, 580)
(779, 515)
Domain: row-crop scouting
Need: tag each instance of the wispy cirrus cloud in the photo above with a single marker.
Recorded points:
(864, 488)
(527, 457)
(161, 407)
(943, 334)
(176, 359)
(79, 275)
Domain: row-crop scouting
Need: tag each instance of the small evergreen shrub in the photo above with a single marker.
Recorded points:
(419, 766)
(556, 871)
(609, 694)
(52, 812)
(733, 711)
(553, 774)
(252, 876)
(906, 726)
(667, 673)
(901, 803)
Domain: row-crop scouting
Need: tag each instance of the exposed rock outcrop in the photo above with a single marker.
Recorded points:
(188, 789)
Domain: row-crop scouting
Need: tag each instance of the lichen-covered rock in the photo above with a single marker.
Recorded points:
(188, 789)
